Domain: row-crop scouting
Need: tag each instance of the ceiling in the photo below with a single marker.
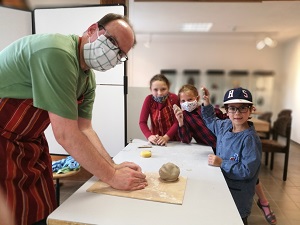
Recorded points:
(278, 19)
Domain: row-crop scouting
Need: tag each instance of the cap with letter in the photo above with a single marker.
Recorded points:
(238, 95)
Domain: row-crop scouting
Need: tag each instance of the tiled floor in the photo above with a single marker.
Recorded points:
(284, 196)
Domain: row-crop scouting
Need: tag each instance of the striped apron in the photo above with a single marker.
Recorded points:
(25, 162)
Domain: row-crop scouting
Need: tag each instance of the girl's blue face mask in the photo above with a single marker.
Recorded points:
(160, 99)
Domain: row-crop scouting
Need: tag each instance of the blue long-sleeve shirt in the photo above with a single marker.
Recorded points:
(241, 155)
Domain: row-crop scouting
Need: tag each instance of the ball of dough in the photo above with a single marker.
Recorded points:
(169, 172)
(146, 154)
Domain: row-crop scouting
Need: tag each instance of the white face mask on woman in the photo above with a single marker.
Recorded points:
(189, 106)
(101, 54)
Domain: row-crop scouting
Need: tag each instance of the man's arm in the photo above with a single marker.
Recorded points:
(68, 134)
(85, 126)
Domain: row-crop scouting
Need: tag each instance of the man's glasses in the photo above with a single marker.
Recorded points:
(242, 109)
(113, 45)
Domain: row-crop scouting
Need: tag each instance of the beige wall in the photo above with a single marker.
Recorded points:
(216, 53)
(288, 87)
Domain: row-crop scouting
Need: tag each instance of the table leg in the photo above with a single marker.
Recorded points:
(57, 190)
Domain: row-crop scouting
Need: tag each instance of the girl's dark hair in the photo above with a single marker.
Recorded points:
(160, 77)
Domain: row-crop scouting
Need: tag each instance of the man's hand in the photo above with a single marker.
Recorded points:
(128, 179)
(131, 165)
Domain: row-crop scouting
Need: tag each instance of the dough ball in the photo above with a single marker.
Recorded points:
(146, 154)
(169, 172)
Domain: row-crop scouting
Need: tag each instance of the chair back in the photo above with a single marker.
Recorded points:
(266, 116)
(282, 127)
(285, 112)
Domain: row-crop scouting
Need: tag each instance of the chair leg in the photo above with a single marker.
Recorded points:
(272, 161)
(286, 163)
(266, 158)
(57, 190)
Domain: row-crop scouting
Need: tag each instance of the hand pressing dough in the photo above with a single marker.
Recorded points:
(169, 172)
(146, 154)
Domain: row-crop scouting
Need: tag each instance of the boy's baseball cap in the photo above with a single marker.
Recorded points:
(238, 95)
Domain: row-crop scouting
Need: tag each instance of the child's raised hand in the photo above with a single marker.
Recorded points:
(205, 96)
(178, 114)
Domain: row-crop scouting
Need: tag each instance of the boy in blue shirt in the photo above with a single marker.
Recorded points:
(238, 150)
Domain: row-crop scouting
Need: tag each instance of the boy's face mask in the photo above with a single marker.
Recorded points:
(101, 54)
(189, 106)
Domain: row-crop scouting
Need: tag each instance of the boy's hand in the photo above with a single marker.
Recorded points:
(214, 160)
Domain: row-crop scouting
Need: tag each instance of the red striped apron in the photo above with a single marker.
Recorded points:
(25, 162)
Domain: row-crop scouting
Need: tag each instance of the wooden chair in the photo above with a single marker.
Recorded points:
(266, 117)
(285, 112)
(266, 135)
(281, 129)
(57, 177)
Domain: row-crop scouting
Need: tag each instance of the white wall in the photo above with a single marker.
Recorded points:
(136, 96)
(212, 52)
(19, 20)
(59, 3)
(206, 52)
(289, 86)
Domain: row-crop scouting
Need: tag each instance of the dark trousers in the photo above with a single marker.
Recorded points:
(245, 220)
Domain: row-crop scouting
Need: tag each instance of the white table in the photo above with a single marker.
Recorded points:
(207, 199)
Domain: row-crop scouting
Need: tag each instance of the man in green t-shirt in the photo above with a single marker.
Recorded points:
(47, 78)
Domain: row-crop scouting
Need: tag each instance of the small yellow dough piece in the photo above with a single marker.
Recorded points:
(146, 154)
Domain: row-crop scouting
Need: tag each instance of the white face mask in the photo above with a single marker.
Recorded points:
(101, 54)
(189, 106)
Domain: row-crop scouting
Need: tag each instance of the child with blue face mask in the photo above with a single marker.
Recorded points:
(158, 106)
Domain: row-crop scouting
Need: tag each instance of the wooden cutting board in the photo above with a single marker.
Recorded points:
(157, 190)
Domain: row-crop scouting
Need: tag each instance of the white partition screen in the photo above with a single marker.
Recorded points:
(14, 24)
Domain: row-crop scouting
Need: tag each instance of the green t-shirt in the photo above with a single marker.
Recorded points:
(45, 68)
